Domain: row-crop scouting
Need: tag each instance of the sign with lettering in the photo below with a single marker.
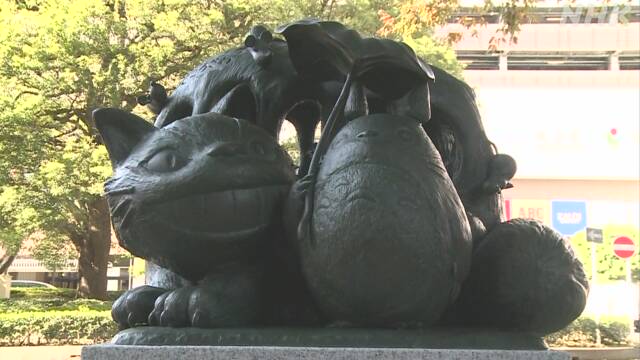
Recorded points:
(530, 209)
(594, 235)
(568, 217)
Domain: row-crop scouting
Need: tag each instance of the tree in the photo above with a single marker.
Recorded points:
(62, 59)
(411, 17)
(420, 16)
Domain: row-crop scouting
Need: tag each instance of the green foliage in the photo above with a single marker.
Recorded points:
(66, 295)
(609, 266)
(61, 59)
(290, 145)
(37, 293)
(411, 17)
(56, 327)
(17, 304)
(35, 316)
(582, 333)
(436, 52)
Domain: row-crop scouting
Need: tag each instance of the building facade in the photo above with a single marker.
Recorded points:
(564, 101)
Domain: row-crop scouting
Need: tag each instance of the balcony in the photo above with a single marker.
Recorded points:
(34, 266)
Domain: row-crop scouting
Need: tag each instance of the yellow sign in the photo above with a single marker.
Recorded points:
(530, 209)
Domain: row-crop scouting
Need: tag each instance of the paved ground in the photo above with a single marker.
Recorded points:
(73, 353)
(40, 353)
(621, 353)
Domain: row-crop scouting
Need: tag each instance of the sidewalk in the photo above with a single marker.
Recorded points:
(621, 353)
(66, 352)
(72, 352)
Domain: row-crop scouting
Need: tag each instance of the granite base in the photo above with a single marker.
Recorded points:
(131, 352)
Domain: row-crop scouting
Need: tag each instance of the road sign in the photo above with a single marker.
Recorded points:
(594, 235)
(624, 247)
(568, 217)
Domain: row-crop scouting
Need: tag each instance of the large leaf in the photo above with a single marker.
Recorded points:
(327, 50)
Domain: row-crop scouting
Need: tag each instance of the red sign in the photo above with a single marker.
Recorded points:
(624, 247)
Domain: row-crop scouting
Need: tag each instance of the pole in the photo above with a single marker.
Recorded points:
(130, 272)
(627, 265)
(594, 276)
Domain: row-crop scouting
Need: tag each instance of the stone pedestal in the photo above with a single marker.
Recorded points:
(160, 343)
(129, 352)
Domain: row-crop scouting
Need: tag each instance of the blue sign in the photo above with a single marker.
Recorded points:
(568, 217)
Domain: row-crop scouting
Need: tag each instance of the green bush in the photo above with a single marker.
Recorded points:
(35, 316)
(582, 333)
(615, 331)
(39, 300)
(56, 327)
(48, 293)
(31, 293)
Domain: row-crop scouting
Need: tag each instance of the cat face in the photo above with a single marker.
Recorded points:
(197, 194)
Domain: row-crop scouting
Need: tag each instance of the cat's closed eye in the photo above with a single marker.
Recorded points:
(164, 161)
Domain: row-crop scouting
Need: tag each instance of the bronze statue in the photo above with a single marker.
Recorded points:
(391, 221)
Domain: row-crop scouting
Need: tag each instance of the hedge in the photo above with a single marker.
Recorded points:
(63, 293)
(582, 333)
(56, 327)
(57, 316)
(35, 316)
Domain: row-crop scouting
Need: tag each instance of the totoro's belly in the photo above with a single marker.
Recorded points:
(382, 251)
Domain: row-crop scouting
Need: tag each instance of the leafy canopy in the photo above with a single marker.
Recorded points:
(61, 59)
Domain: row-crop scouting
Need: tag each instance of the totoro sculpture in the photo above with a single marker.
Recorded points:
(384, 207)
(392, 222)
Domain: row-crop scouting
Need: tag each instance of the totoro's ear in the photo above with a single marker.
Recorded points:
(121, 132)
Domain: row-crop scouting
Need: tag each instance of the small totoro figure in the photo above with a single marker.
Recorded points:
(255, 82)
(389, 242)
(202, 198)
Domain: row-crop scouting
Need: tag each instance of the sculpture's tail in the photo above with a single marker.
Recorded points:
(525, 277)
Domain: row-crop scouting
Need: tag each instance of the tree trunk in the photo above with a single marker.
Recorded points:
(94, 252)
(5, 262)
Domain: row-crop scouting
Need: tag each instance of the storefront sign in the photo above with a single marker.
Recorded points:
(530, 209)
(568, 217)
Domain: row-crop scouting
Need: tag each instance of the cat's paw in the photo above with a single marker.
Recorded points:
(211, 305)
(171, 308)
(134, 306)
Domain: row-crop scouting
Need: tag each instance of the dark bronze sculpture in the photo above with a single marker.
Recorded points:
(393, 220)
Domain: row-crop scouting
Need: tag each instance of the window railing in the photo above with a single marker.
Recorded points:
(549, 60)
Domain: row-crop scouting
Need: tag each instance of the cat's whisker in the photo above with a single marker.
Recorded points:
(110, 181)
(122, 205)
(126, 217)
(239, 125)
(121, 191)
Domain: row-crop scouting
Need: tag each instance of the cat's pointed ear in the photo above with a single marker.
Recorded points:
(121, 132)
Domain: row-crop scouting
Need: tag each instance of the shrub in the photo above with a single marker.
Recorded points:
(40, 293)
(30, 293)
(35, 316)
(615, 331)
(38, 300)
(582, 332)
(56, 327)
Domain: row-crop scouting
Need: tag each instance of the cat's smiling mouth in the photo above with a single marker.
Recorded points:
(232, 213)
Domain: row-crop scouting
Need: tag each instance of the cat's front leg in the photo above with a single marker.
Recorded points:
(223, 299)
(134, 306)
